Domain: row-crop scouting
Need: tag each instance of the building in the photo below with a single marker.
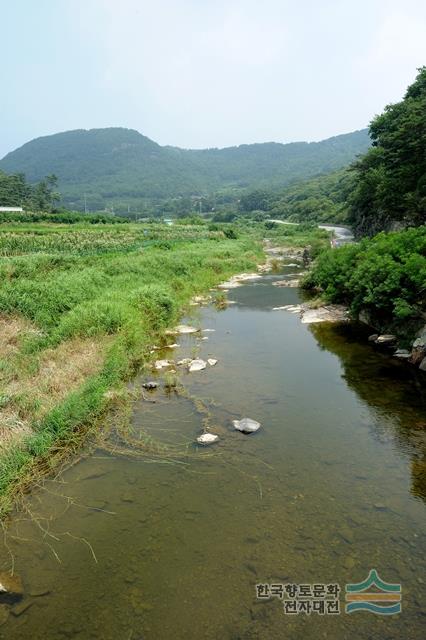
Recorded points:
(14, 209)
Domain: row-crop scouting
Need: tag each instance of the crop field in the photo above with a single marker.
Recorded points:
(80, 308)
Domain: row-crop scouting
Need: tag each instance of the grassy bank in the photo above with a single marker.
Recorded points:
(80, 309)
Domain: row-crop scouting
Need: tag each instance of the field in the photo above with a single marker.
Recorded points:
(80, 308)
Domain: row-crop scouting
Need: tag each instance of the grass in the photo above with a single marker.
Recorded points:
(81, 306)
(80, 310)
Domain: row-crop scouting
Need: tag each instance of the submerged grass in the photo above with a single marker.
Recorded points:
(108, 288)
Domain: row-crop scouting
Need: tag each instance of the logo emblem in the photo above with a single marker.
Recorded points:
(385, 600)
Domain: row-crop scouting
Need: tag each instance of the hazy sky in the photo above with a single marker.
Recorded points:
(199, 73)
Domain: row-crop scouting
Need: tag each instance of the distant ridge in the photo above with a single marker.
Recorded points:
(117, 166)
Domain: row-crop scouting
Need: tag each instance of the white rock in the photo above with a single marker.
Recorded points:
(207, 330)
(172, 346)
(207, 438)
(386, 338)
(185, 328)
(197, 365)
(212, 361)
(160, 364)
(184, 361)
(246, 425)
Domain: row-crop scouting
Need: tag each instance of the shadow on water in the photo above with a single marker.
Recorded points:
(151, 537)
(394, 391)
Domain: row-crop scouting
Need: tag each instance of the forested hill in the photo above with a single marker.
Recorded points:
(122, 167)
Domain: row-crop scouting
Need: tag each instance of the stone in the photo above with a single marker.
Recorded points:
(212, 361)
(422, 365)
(292, 308)
(365, 317)
(403, 354)
(197, 365)
(417, 355)
(207, 438)
(185, 328)
(11, 589)
(329, 313)
(184, 362)
(161, 364)
(420, 341)
(373, 337)
(287, 283)
(386, 338)
(246, 425)
(150, 385)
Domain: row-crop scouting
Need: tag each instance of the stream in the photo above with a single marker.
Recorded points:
(122, 546)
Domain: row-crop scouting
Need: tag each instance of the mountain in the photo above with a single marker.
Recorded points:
(121, 167)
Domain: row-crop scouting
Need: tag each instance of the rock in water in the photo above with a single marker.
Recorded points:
(246, 425)
(184, 361)
(185, 328)
(11, 589)
(212, 361)
(386, 338)
(207, 438)
(197, 365)
(150, 385)
(160, 364)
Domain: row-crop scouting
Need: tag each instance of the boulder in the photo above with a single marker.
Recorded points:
(246, 425)
(207, 438)
(212, 361)
(420, 341)
(11, 589)
(386, 338)
(417, 355)
(373, 337)
(422, 365)
(329, 313)
(197, 365)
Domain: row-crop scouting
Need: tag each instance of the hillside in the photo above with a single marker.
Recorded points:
(319, 199)
(122, 167)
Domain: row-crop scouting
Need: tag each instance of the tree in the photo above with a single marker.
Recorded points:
(390, 186)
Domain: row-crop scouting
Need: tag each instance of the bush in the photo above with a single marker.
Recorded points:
(385, 275)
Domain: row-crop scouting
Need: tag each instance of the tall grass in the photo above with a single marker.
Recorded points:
(125, 295)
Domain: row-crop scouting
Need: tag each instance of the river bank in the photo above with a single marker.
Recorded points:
(81, 319)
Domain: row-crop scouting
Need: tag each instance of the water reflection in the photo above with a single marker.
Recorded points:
(396, 392)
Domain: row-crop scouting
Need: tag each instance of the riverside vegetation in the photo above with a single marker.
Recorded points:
(81, 306)
(80, 309)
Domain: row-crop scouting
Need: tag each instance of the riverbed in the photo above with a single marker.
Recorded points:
(126, 545)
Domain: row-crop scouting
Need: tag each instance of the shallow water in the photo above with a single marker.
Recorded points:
(333, 485)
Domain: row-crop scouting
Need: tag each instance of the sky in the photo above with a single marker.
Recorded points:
(205, 73)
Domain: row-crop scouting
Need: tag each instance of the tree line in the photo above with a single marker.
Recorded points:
(15, 191)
